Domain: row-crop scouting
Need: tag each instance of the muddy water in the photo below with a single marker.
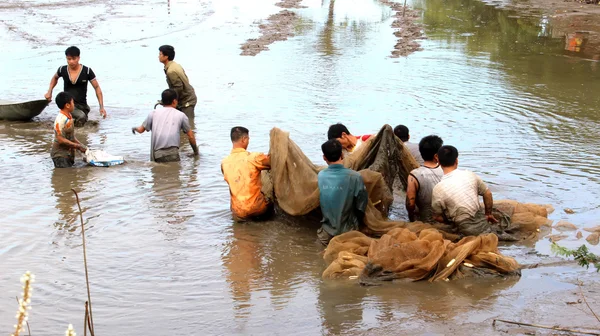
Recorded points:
(164, 255)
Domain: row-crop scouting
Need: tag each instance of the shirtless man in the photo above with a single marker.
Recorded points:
(76, 78)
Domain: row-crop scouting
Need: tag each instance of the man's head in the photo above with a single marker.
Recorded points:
(64, 101)
(169, 98)
(340, 133)
(448, 156)
(73, 54)
(240, 137)
(429, 147)
(401, 132)
(332, 151)
(166, 53)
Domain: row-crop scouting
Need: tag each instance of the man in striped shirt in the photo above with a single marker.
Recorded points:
(456, 199)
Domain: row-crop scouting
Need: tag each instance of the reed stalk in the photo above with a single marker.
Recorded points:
(24, 303)
(87, 279)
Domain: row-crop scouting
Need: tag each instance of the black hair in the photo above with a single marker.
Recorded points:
(238, 132)
(72, 51)
(429, 146)
(168, 51)
(401, 132)
(168, 96)
(447, 156)
(332, 149)
(62, 99)
(335, 131)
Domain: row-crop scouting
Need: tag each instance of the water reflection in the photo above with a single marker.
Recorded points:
(62, 181)
(242, 261)
(172, 184)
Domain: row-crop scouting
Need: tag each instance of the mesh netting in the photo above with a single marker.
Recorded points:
(413, 250)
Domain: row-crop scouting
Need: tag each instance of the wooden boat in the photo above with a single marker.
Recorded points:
(21, 111)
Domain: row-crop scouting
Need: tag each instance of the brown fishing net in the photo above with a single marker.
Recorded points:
(413, 250)
(402, 254)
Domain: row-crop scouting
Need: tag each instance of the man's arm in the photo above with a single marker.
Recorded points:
(76, 145)
(176, 84)
(488, 202)
(361, 197)
(53, 83)
(437, 207)
(192, 138)
(98, 90)
(140, 129)
(411, 197)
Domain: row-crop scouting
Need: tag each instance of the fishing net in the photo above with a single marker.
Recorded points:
(292, 184)
(403, 254)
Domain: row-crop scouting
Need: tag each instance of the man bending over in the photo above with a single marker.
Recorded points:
(165, 123)
(348, 141)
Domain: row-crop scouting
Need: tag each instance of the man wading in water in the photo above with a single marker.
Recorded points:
(403, 134)
(456, 198)
(422, 180)
(76, 78)
(342, 195)
(178, 81)
(241, 169)
(165, 124)
(65, 143)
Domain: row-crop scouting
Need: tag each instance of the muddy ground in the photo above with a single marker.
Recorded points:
(406, 28)
(278, 27)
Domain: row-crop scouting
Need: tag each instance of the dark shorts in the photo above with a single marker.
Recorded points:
(170, 154)
(323, 236)
(80, 114)
(63, 162)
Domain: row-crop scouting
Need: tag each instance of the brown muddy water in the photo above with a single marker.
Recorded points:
(164, 254)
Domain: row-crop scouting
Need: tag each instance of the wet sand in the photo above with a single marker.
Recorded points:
(277, 27)
(406, 29)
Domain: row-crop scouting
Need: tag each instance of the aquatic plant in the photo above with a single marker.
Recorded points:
(70, 331)
(24, 303)
(582, 255)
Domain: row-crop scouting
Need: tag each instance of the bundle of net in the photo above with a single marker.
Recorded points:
(413, 250)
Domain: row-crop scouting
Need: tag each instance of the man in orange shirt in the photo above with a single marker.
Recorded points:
(241, 169)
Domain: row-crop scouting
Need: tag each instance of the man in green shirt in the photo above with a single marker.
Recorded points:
(342, 194)
(178, 81)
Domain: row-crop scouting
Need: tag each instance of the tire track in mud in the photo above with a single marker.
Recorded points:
(407, 30)
(277, 28)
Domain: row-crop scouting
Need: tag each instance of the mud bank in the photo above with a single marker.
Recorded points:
(576, 21)
(407, 30)
(278, 27)
(556, 300)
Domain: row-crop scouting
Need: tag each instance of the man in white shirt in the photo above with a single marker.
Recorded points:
(456, 199)
(165, 124)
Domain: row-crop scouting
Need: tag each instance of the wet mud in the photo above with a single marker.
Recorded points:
(278, 27)
(406, 29)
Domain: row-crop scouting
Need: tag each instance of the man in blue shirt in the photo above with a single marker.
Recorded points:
(343, 195)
